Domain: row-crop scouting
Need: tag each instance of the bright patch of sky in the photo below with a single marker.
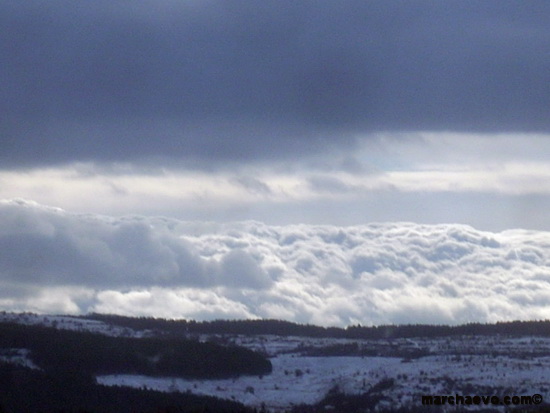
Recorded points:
(480, 172)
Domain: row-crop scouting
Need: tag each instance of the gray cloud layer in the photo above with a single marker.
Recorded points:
(52, 260)
(216, 81)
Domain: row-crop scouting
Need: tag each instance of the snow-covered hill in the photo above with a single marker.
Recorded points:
(71, 323)
(465, 365)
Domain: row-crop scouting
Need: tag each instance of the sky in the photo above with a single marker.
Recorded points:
(307, 117)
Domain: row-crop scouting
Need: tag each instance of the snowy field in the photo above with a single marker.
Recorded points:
(466, 366)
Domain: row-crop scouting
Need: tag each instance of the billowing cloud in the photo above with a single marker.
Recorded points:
(46, 246)
(230, 81)
(53, 260)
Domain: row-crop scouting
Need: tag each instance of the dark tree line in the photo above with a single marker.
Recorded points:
(96, 354)
(286, 328)
(38, 391)
(68, 362)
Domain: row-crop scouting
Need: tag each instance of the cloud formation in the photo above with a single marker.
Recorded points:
(492, 182)
(46, 246)
(231, 81)
(55, 261)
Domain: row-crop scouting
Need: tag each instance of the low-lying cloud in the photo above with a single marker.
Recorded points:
(48, 246)
(55, 261)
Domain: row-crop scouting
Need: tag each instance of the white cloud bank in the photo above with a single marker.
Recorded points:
(55, 261)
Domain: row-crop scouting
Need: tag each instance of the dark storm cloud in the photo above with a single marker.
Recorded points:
(215, 81)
